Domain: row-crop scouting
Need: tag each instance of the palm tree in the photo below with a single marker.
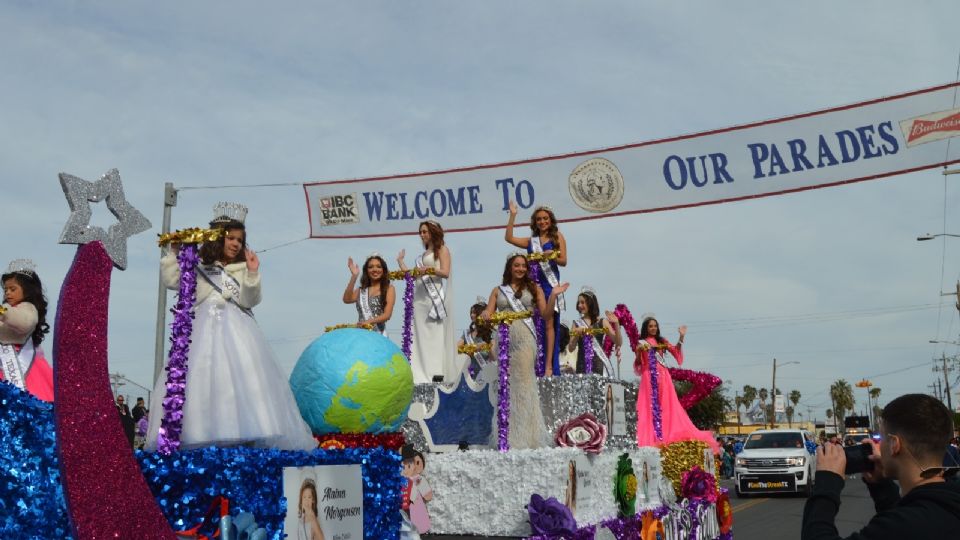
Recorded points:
(749, 396)
(763, 395)
(874, 394)
(794, 397)
(842, 395)
(789, 411)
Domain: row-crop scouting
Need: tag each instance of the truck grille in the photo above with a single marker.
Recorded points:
(765, 463)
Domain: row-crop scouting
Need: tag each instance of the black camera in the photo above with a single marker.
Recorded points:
(858, 458)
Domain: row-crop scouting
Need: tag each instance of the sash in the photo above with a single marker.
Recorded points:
(517, 306)
(13, 363)
(212, 272)
(478, 356)
(434, 286)
(547, 271)
(366, 311)
(597, 348)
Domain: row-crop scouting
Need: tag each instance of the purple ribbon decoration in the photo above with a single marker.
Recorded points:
(171, 425)
(503, 395)
(655, 395)
(588, 353)
(540, 367)
(406, 339)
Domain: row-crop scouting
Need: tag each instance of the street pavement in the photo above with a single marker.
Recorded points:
(777, 516)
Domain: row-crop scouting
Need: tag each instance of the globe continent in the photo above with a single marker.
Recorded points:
(352, 381)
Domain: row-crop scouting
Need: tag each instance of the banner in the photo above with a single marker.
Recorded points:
(865, 141)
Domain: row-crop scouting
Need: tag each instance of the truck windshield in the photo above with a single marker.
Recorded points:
(774, 440)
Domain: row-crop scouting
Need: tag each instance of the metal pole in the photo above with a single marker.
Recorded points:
(169, 201)
(773, 393)
(946, 383)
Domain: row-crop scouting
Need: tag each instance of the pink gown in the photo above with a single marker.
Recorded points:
(676, 425)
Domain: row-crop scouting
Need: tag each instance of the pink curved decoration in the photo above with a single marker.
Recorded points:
(106, 494)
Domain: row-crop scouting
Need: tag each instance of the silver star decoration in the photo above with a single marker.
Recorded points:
(80, 193)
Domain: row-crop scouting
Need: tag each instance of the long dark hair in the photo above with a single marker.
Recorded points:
(307, 484)
(484, 332)
(525, 283)
(211, 252)
(553, 233)
(33, 293)
(436, 237)
(644, 333)
(384, 280)
(593, 307)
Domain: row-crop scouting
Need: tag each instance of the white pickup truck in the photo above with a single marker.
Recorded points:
(776, 461)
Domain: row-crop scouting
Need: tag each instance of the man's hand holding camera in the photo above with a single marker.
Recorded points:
(832, 457)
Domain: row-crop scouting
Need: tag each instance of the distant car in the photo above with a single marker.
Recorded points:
(775, 461)
(858, 438)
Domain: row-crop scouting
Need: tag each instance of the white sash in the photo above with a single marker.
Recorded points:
(366, 311)
(434, 286)
(597, 348)
(221, 280)
(517, 306)
(364, 303)
(14, 367)
(468, 339)
(547, 271)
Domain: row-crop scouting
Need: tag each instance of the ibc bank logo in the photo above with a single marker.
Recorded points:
(339, 210)
(931, 127)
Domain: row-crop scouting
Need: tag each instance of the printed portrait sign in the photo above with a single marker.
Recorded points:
(325, 501)
(615, 410)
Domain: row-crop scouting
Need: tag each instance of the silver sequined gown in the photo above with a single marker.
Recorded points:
(527, 427)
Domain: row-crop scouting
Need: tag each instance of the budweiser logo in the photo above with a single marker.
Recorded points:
(925, 127)
(931, 127)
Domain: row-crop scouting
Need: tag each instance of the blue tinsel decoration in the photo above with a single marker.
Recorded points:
(31, 494)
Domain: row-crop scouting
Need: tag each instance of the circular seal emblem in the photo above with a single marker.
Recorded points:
(596, 185)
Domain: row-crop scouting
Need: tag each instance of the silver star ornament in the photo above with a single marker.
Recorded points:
(80, 193)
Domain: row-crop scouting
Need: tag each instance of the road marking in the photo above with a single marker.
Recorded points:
(748, 505)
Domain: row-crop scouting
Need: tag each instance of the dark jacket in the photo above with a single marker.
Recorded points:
(929, 511)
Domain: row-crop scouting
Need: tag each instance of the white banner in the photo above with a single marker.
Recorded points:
(616, 410)
(779, 404)
(865, 141)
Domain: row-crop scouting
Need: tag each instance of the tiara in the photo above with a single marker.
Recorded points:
(648, 315)
(586, 289)
(542, 207)
(372, 255)
(480, 300)
(22, 266)
(433, 222)
(224, 212)
(513, 254)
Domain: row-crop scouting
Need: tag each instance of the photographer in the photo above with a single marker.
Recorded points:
(914, 431)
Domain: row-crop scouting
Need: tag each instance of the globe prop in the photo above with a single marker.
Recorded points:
(352, 381)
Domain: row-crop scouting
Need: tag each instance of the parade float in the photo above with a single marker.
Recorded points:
(396, 459)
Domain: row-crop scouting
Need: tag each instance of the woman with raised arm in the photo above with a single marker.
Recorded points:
(547, 240)
(661, 419)
(591, 323)
(433, 351)
(518, 293)
(375, 296)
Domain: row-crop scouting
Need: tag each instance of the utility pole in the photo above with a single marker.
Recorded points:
(736, 401)
(946, 379)
(773, 394)
(169, 201)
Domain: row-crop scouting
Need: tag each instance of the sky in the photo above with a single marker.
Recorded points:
(831, 282)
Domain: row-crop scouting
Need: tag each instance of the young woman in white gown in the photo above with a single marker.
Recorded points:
(433, 352)
(518, 292)
(235, 392)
